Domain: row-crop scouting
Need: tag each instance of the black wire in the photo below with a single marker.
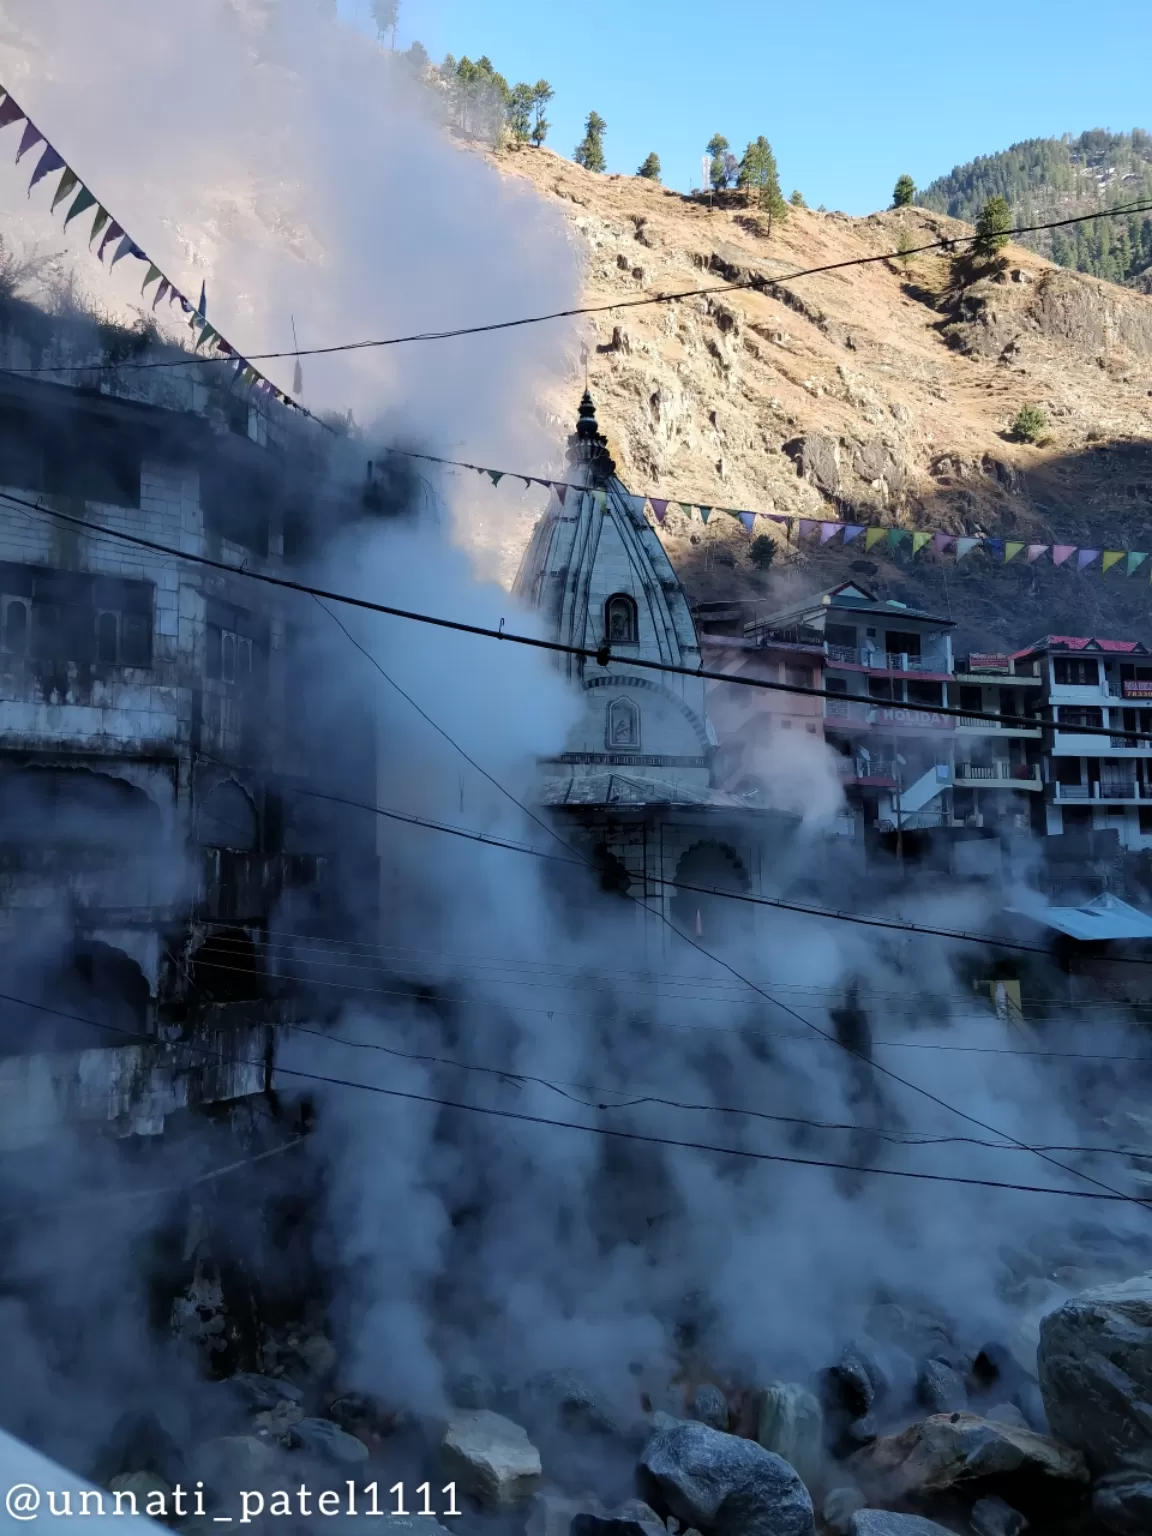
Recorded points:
(756, 283)
(593, 1130)
(555, 646)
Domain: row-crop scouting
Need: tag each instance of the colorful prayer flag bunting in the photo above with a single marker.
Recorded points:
(918, 541)
(942, 541)
(1085, 558)
(49, 161)
(1111, 557)
(965, 547)
(495, 475)
(995, 547)
(1136, 558)
(659, 508)
(808, 526)
(561, 492)
(874, 536)
(9, 112)
(748, 519)
(1012, 548)
(68, 184)
(705, 514)
(98, 224)
(152, 274)
(84, 201)
(828, 531)
(1061, 552)
(896, 537)
(113, 232)
(852, 531)
(29, 140)
(1035, 551)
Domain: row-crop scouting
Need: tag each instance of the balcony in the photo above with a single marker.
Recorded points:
(886, 661)
(1100, 794)
(1008, 775)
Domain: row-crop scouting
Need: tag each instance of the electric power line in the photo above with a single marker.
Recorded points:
(601, 655)
(1104, 1193)
(756, 284)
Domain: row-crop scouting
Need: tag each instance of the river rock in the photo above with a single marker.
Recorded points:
(490, 1458)
(855, 1382)
(883, 1522)
(1123, 1503)
(710, 1406)
(1095, 1365)
(993, 1517)
(328, 1442)
(839, 1507)
(940, 1389)
(792, 1425)
(963, 1453)
(723, 1485)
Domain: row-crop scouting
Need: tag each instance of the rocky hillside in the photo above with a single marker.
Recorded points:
(884, 391)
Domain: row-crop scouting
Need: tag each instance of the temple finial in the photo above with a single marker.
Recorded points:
(588, 447)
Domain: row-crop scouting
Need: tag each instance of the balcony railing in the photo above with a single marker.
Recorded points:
(1118, 790)
(1097, 793)
(888, 661)
(1125, 741)
(986, 772)
(1073, 791)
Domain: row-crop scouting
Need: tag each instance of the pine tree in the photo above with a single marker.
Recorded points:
(650, 169)
(386, 15)
(797, 199)
(758, 176)
(590, 150)
(904, 192)
(542, 94)
(762, 552)
(519, 112)
(718, 171)
(991, 227)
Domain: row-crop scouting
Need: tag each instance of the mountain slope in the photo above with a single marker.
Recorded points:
(879, 392)
(1044, 179)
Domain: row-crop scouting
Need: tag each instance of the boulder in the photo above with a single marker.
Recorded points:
(792, 1425)
(839, 1507)
(817, 458)
(710, 1406)
(328, 1442)
(940, 1389)
(571, 1404)
(723, 1485)
(882, 1522)
(959, 1452)
(1095, 1367)
(552, 1513)
(616, 1525)
(1123, 1503)
(490, 1458)
(233, 1461)
(855, 1382)
(1006, 1413)
(993, 1517)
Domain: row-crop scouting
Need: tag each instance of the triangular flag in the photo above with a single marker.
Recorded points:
(659, 508)
(49, 161)
(705, 514)
(995, 547)
(828, 531)
(202, 307)
(1060, 553)
(918, 541)
(637, 504)
(561, 492)
(875, 536)
(748, 519)
(153, 273)
(808, 526)
(943, 541)
(601, 500)
(686, 508)
(98, 224)
(1035, 551)
(1111, 557)
(113, 232)
(495, 475)
(9, 112)
(1136, 558)
(207, 334)
(29, 140)
(164, 288)
(1012, 548)
(1085, 558)
(895, 535)
(852, 531)
(965, 547)
(127, 247)
(84, 201)
(68, 184)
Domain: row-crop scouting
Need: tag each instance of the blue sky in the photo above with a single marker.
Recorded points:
(850, 93)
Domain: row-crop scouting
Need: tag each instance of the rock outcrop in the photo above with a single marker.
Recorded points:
(722, 1485)
(490, 1459)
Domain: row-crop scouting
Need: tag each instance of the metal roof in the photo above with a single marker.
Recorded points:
(1104, 917)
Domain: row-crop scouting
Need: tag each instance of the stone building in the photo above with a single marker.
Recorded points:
(637, 775)
(145, 838)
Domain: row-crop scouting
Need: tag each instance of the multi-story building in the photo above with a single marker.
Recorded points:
(145, 834)
(1095, 783)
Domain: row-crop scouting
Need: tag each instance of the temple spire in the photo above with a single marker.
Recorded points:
(588, 447)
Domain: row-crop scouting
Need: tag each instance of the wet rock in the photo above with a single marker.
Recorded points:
(260, 1394)
(855, 1435)
(1123, 1503)
(839, 1507)
(636, 1509)
(993, 1517)
(882, 1522)
(490, 1458)
(959, 1452)
(571, 1404)
(855, 1382)
(723, 1485)
(233, 1461)
(710, 1406)
(552, 1513)
(328, 1442)
(1007, 1413)
(940, 1389)
(615, 1525)
(792, 1425)
(1095, 1365)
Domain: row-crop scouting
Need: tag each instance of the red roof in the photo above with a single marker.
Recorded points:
(1079, 643)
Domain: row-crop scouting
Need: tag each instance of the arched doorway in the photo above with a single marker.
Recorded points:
(704, 868)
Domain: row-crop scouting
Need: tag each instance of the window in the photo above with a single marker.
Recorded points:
(1075, 672)
(623, 724)
(236, 644)
(925, 693)
(973, 699)
(620, 620)
(15, 627)
(799, 677)
(107, 637)
(903, 643)
(56, 615)
(1145, 814)
(880, 688)
(1071, 715)
(1067, 770)
(836, 685)
(841, 634)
